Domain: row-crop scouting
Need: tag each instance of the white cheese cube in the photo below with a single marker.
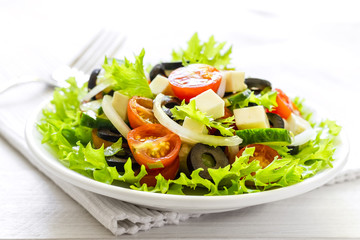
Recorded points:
(119, 103)
(251, 117)
(160, 84)
(194, 125)
(210, 103)
(296, 124)
(235, 81)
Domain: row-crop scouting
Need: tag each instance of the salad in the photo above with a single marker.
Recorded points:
(193, 125)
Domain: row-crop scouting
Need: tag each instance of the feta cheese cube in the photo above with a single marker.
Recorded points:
(160, 84)
(119, 103)
(235, 81)
(210, 103)
(251, 117)
(194, 125)
(296, 124)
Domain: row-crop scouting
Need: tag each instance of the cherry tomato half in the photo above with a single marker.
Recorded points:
(188, 82)
(154, 146)
(168, 173)
(285, 105)
(263, 153)
(140, 111)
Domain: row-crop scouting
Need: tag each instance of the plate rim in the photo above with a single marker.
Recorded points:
(192, 204)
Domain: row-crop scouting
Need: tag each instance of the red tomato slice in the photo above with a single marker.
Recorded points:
(154, 146)
(168, 173)
(285, 105)
(140, 111)
(263, 153)
(188, 82)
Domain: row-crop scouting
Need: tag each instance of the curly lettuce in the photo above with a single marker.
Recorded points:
(209, 52)
(128, 78)
(61, 129)
(190, 110)
(239, 100)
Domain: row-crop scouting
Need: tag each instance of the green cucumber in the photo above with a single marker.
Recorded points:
(92, 120)
(271, 136)
(241, 99)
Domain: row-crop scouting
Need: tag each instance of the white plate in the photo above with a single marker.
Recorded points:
(194, 204)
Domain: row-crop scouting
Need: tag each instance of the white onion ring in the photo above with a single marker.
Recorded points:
(303, 137)
(222, 87)
(98, 88)
(187, 135)
(113, 116)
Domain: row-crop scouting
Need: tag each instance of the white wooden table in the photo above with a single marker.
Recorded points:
(277, 40)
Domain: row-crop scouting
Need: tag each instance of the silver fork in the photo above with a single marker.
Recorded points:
(105, 43)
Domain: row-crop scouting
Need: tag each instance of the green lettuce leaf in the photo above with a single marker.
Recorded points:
(71, 142)
(189, 110)
(114, 148)
(207, 53)
(128, 78)
(242, 99)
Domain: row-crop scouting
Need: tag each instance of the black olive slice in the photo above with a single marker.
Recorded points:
(156, 70)
(168, 103)
(172, 65)
(108, 135)
(164, 69)
(119, 163)
(205, 156)
(293, 150)
(125, 153)
(275, 120)
(257, 84)
(93, 77)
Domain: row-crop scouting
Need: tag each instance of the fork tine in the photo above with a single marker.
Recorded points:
(107, 49)
(99, 45)
(93, 57)
(85, 49)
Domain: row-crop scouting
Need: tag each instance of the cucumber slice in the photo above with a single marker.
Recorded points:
(271, 136)
(240, 98)
(92, 120)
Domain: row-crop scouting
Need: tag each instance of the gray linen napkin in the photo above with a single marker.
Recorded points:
(117, 216)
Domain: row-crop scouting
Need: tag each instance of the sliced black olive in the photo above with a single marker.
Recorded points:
(257, 84)
(169, 66)
(275, 120)
(164, 69)
(168, 103)
(108, 135)
(119, 163)
(156, 70)
(125, 152)
(293, 150)
(93, 77)
(205, 156)
(251, 104)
